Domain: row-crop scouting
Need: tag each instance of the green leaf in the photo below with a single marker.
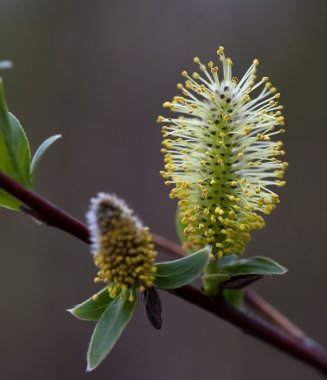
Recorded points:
(177, 273)
(7, 201)
(15, 153)
(227, 260)
(238, 272)
(217, 277)
(91, 310)
(108, 330)
(254, 265)
(39, 154)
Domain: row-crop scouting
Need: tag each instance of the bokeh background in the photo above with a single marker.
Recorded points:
(98, 72)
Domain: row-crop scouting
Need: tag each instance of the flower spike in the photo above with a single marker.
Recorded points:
(122, 247)
(219, 154)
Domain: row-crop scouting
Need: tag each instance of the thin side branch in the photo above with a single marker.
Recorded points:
(166, 245)
(273, 315)
(307, 351)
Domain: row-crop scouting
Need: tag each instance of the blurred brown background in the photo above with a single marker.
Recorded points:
(98, 72)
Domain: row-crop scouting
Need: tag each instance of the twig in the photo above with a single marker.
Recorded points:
(272, 314)
(168, 246)
(309, 351)
(79, 230)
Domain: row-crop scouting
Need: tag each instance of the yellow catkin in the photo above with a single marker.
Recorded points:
(220, 155)
(122, 247)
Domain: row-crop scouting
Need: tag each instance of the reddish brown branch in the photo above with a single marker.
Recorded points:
(307, 351)
(168, 246)
(273, 315)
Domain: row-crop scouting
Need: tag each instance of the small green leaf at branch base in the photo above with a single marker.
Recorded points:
(108, 330)
(94, 307)
(177, 273)
(40, 152)
(253, 265)
(238, 272)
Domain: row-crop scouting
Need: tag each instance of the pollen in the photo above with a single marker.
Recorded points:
(122, 247)
(221, 156)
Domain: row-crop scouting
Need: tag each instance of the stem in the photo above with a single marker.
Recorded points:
(307, 350)
(272, 314)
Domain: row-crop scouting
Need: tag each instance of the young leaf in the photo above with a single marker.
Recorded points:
(239, 272)
(217, 277)
(15, 155)
(109, 328)
(177, 273)
(254, 265)
(92, 309)
(8, 201)
(14, 147)
(228, 260)
(40, 152)
(14, 151)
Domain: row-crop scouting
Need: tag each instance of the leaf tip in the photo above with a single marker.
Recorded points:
(283, 270)
(71, 311)
(89, 367)
(90, 364)
(74, 312)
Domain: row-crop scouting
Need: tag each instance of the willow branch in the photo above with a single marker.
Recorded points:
(307, 351)
(252, 298)
(272, 314)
